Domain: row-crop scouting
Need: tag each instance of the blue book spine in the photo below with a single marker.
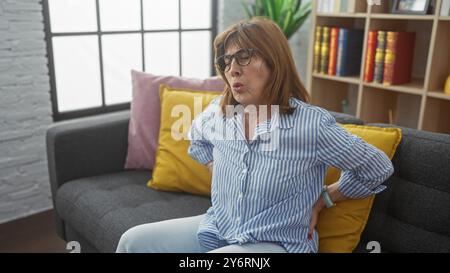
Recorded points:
(342, 45)
(354, 51)
(350, 52)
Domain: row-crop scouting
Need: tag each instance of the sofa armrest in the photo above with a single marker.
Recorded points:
(86, 147)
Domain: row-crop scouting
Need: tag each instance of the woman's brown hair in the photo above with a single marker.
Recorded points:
(273, 47)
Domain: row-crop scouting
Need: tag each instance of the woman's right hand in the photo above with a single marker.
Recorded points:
(318, 206)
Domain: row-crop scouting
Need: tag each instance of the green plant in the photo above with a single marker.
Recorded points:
(288, 14)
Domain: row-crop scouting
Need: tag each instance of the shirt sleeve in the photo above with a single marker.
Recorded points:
(364, 167)
(201, 148)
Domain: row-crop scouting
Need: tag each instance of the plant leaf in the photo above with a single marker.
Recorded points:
(289, 15)
(277, 6)
(287, 24)
(246, 9)
(260, 9)
(269, 9)
(298, 4)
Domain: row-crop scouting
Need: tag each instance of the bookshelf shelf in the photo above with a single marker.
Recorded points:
(331, 94)
(415, 87)
(390, 107)
(353, 80)
(438, 95)
(402, 17)
(350, 22)
(420, 104)
(440, 61)
(436, 118)
(343, 15)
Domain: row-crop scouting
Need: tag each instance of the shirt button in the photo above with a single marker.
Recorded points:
(244, 171)
(265, 137)
(241, 195)
(238, 219)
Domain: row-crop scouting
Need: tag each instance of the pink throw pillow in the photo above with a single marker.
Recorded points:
(143, 131)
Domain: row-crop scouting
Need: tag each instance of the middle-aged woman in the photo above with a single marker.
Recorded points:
(264, 200)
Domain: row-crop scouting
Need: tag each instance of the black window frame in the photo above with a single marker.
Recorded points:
(59, 116)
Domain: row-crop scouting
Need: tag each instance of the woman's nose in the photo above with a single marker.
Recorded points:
(235, 68)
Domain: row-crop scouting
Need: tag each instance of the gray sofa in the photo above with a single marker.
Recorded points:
(96, 200)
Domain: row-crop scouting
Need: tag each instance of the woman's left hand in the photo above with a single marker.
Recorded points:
(318, 206)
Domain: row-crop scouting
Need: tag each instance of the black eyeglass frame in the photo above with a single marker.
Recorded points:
(220, 61)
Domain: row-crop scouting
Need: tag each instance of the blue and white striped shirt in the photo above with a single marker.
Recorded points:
(267, 195)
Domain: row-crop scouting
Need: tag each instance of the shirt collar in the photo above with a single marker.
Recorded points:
(282, 121)
(287, 120)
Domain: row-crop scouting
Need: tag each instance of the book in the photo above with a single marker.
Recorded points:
(349, 52)
(344, 6)
(398, 57)
(317, 47)
(379, 57)
(351, 6)
(334, 40)
(325, 6)
(324, 50)
(337, 6)
(370, 56)
(319, 5)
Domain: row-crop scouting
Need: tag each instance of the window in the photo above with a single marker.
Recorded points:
(93, 44)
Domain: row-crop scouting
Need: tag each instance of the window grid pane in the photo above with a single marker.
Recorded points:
(104, 75)
(119, 15)
(195, 14)
(162, 53)
(160, 14)
(73, 15)
(77, 72)
(196, 54)
(121, 54)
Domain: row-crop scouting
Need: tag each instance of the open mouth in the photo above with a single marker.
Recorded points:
(238, 87)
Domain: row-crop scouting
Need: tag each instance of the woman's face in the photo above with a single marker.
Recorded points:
(247, 82)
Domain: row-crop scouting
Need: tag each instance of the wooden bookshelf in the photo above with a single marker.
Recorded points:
(420, 104)
(354, 80)
(342, 15)
(402, 17)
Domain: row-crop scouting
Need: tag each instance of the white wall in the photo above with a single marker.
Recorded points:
(25, 110)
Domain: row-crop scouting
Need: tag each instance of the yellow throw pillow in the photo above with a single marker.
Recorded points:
(174, 169)
(341, 226)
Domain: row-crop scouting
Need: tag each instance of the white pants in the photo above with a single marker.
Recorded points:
(180, 236)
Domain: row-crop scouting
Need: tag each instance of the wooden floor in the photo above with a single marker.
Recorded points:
(33, 234)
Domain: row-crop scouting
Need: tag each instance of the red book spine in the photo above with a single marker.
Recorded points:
(333, 51)
(404, 54)
(370, 56)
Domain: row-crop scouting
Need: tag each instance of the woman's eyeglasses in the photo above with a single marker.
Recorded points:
(243, 58)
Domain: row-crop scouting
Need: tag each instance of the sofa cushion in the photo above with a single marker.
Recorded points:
(412, 214)
(340, 227)
(174, 169)
(145, 113)
(102, 208)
